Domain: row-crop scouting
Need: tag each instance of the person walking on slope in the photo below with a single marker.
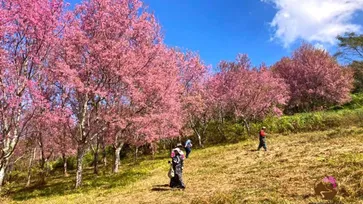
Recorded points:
(177, 157)
(262, 139)
(188, 147)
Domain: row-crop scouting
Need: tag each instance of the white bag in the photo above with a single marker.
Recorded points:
(171, 172)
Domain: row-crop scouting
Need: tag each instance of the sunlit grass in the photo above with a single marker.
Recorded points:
(232, 173)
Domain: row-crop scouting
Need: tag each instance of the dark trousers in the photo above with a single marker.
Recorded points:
(262, 143)
(187, 150)
(177, 181)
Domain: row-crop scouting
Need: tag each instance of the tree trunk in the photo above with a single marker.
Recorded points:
(2, 176)
(43, 172)
(42, 168)
(136, 151)
(80, 154)
(104, 155)
(199, 137)
(116, 156)
(65, 165)
(154, 148)
(32, 156)
(200, 140)
(95, 160)
(247, 125)
(204, 129)
(95, 155)
(3, 166)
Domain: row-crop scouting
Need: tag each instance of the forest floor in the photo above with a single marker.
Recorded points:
(233, 173)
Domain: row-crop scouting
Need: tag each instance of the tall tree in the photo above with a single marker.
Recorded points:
(351, 50)
(28, 30)
(193, 76)
(114, 70)
(315, 78)
(351, 46)
(148, 108)
(247, 92)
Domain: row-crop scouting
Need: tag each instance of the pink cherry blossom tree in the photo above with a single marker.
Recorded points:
(193, 76)
(315, 79)
(148, 108)
(28, 29)
(114, 71)
(247, 92)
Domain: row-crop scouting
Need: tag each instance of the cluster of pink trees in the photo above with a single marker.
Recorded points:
(246, 93)
(315, 79)
(28, 30)
(101, 75)
(100, 71)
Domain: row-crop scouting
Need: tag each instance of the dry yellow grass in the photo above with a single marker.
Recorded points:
(237, 174)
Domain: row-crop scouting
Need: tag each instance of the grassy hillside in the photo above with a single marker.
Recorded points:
(225, 174)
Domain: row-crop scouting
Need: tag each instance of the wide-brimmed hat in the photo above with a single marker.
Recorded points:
(179, 145)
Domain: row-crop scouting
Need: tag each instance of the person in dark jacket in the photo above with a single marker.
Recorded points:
(177, 157)
(262, 139)
(188, 147)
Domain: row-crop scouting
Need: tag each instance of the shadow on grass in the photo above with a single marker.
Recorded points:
(160, 189)
(163, 185)
(65, 186)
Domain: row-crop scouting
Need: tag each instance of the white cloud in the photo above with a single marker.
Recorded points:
(319, 46)
(317, 21)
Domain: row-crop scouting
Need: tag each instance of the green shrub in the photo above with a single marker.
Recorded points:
(213, 133)
(317, 121)
(355, 103)
(230, 131)
(234, 132)
(88, 158)
(227, 132)
(16, 176)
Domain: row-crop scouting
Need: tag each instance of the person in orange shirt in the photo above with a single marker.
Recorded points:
(262, 139)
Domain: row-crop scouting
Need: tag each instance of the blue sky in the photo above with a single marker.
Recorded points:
(266, 30)
(219, 30)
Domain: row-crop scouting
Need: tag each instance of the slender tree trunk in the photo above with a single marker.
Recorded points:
(2, 175)
(195, 129)
(32, 156)
(95, 160)
(154, 148)
(204, 129)
(81, 146)
(247, 125)
(3, 166)
(116, 156)
(80, 154)
(136, 151)
(65, 165)
(42, 171)
(104, 155)
(42, 167)
(164, 145)
(199, 137)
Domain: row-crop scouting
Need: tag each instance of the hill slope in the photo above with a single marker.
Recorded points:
(236, 174)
